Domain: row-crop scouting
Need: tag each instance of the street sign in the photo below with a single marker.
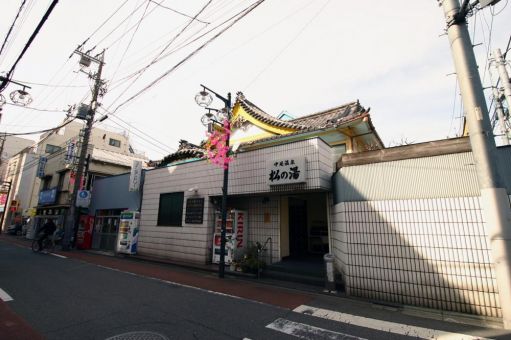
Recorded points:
(83, 198)
(135, 176)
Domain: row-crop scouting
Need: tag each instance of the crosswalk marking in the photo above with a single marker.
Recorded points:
(384, 326)
(4, 296)
(303, 331)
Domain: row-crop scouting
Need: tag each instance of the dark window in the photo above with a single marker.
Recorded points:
(51, 148)
(114, 142)
(46, 182)
(60, 184)
(170, 211)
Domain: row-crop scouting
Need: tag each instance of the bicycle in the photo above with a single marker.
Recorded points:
(48, 244)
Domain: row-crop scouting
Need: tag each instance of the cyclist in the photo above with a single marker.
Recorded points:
(48, 229)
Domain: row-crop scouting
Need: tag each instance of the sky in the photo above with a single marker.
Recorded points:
(298, 56)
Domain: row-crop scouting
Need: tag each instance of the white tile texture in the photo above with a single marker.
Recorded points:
(247, 176)
(426, 252)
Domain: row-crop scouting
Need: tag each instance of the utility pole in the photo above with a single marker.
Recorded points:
(503, 75)
(494, 199)
(72, 216)
(500, 116)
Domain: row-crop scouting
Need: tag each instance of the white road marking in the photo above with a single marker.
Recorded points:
(384, 326)
(57, 255)
(4, 296)
(303, 331)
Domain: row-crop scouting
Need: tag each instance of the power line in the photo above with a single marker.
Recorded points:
(131, 40)
(155, 59)
(49, 85)
(30, 40)
(37, 132)
(12, 26)
(119, 25)
(165, 151)
(178, 12)
(297, 35)
(102, 24)
(193, 53)
(111, 114)
(17, 28)
(183, 44)
(34, 108)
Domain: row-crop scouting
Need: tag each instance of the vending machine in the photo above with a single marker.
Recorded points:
(127, 239)
(84, 234)
(235, 235)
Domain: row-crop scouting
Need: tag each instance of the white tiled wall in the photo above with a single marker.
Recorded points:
(247, 175)
(426, 252)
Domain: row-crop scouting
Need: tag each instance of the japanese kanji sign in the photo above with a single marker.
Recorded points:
(286, 171)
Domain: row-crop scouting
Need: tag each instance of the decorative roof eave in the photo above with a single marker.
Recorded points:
(186, 150)
(181, 155)
(259, 115)
(363, 117)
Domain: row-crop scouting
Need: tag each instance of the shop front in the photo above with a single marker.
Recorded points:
(110, 197)
(106, 228)
(48, 208)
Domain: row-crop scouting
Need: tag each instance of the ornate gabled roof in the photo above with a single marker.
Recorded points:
(332, 117)
(319, 120)
(262, 116)
(186, 150)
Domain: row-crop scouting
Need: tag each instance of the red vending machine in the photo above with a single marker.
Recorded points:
(84, 235)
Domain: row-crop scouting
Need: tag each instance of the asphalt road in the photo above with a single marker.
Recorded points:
(66, 298)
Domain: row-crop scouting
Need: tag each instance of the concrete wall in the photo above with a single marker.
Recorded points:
(99, 138)
(411, 231)
(425, 252)
(26, 195)
(247, 176)
(12, 146)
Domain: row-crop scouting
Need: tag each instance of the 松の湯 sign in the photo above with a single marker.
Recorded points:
(286, 171)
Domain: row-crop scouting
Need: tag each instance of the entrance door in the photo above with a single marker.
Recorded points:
(298, 237)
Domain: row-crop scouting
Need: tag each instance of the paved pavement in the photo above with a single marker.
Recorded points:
(378, 317)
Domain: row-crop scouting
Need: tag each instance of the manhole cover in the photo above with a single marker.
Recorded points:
(141, 335)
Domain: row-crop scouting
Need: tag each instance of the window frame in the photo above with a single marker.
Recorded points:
(171, 221)
(114, 142)
(54, 148)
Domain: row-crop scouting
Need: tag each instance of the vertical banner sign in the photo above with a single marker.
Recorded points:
(3, 200)
(135, 176)
(240, 230)
(41, 166)
(70, 152)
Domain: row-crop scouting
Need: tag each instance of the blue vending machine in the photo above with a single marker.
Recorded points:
(127, 238)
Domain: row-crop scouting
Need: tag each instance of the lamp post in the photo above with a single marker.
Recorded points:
(18, 97)
(204, 99)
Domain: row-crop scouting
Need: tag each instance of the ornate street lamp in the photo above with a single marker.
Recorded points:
(204, 99)
(18, 97)
(21, 97)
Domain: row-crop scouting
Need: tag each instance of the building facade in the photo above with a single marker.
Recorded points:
(109, 153)
(280, 176)
(110, 196)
